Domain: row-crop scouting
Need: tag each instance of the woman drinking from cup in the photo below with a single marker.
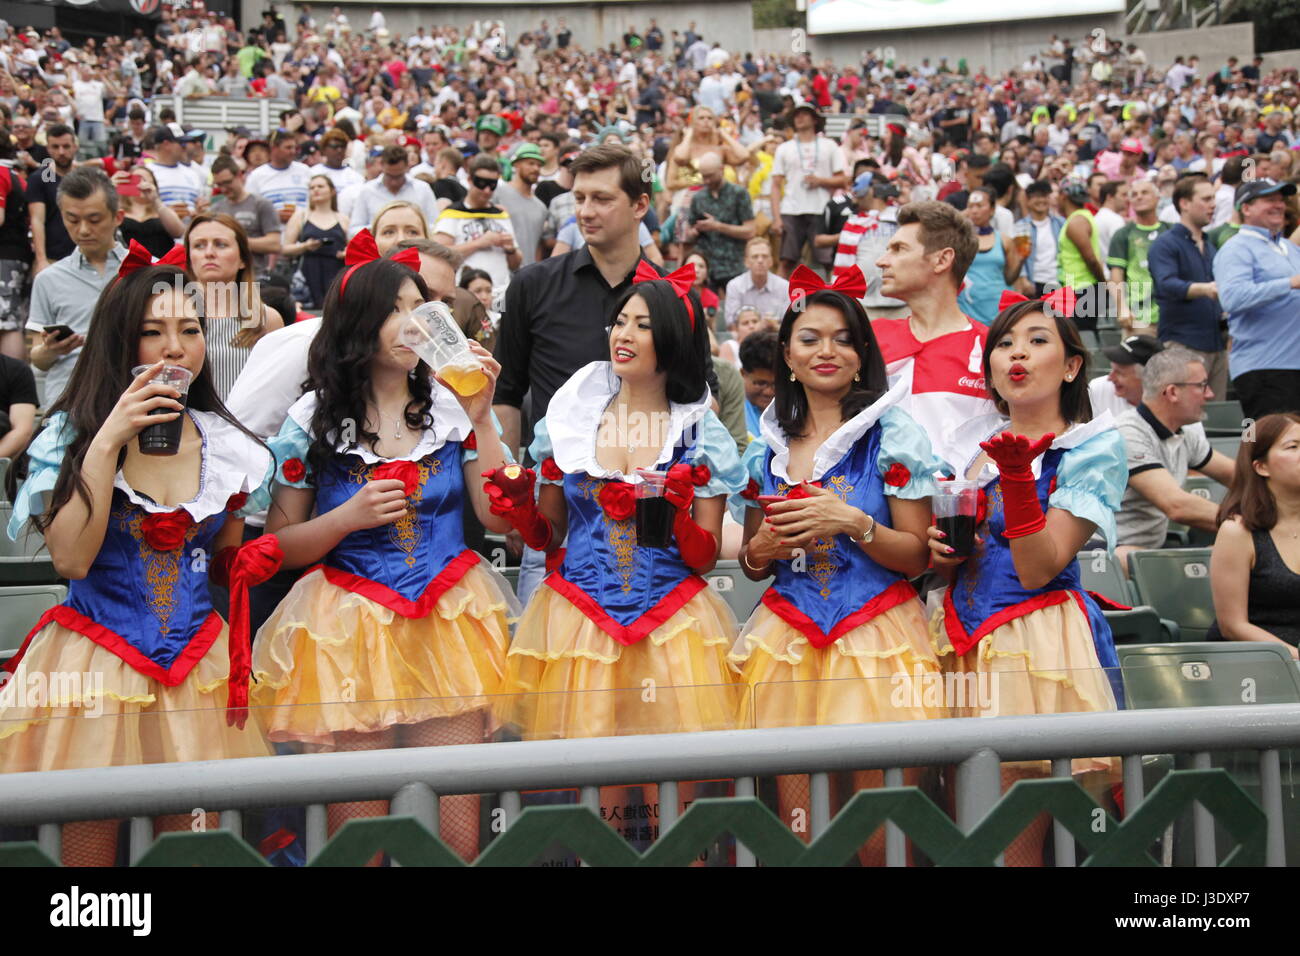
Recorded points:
(838, 503)
(219, 259)
(1016, 614)
(137, 526)
(398, 634)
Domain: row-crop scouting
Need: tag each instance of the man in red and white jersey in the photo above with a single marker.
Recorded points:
(937, 347)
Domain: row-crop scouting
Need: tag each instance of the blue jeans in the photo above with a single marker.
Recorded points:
(91, 131)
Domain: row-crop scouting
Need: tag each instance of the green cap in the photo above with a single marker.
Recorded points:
(492, 124)
(527, 151)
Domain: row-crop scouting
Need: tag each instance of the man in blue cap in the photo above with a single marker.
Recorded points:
(1258, 276)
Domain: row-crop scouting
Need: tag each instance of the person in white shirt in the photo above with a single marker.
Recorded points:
(283, 180)
(334, 147)
(392, 185)
(1110, 213)
(89, 88)
(377, 21)
(1209, 162)
(179, 187)
(805, 171)
(757, 287)
(1121, 389)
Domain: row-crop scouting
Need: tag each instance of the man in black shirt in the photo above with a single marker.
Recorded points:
(954, 122)
(768, 100)
(50, 239)
(654, 37)
(17, 406)
(562, 36)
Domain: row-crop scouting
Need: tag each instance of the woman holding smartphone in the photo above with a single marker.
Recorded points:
(838, 504)
(147, 220)
(318, 234)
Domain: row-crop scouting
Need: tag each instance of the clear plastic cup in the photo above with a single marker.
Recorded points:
(432, 333)
(654, 512)
(955, 508)
(165, 437)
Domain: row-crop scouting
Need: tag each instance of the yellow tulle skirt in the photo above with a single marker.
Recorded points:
(1042, 663)
(883, 670)
(572, 679)
(329, 660)
(71, 704)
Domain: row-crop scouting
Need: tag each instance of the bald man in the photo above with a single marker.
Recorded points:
(724, 221)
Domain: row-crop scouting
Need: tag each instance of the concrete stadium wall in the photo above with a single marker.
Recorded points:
(1282, 58)
(1212, 44)
(993, 46)
(729, 22)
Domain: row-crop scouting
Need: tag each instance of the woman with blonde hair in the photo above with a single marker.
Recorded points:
(319, 234)
(398, 221)
(218, 259)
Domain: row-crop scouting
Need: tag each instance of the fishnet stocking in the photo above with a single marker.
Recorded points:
(1026, 849)
(458, 816)
(872, 853)
(90, 843)
(337, 814)
(184, 822)
(794, 801)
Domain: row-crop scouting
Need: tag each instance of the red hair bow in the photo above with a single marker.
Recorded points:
(362, 251)
(804, 282)
(1062, 300)
(681, 280)
(138, 257)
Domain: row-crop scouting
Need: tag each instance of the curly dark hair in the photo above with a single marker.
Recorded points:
(96, 386)
(338, 364)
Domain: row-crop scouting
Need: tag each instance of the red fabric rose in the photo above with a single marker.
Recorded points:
(618, 498)
(752, 491)
(236, 501)
(293, 470)
(700, 475)
(407, 472)
(166, 532)
(982, 508)
(897, 475)
(471, 442)
(551, 471)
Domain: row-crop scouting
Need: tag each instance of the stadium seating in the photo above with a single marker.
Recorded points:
(1223, 419)
(1176, 582)
(25, 561)
(20, 608)
(1211, 490)
(1227, 444)
(741, 594)
(1100, 572)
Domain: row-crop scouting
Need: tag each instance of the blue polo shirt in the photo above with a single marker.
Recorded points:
(1254, 271)
(1176, 263)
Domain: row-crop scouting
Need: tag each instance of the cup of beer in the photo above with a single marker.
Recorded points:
(432, 333)
(1022, 240)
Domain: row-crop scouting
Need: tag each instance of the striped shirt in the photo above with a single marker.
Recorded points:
(224, 359)
(281, 187)
(862, 241)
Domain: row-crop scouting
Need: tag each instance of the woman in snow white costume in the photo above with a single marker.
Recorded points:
(615, 617)
(838, 503)
(137, 536)
(1052, 477)
(397, 634)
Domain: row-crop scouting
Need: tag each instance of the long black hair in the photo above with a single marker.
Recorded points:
(103, 373)
(681, 346)
(338, 364)
(1076, 406)
(791, 401)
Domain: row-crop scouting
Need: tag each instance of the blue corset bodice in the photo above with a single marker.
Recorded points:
(838, 582)
(154, 601)
(986, 589)
(410, 553)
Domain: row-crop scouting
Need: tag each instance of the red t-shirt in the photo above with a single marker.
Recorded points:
(947, 378)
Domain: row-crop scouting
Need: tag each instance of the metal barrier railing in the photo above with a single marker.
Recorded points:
(414, 778)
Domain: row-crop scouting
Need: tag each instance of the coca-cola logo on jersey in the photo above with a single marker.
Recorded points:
(975, 383)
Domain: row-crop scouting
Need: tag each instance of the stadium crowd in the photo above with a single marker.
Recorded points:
(532, 185)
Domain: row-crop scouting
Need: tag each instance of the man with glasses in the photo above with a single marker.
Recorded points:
(391, 185)
(478, 231)
(1182, 270)
(1164, 437)
(254, 213)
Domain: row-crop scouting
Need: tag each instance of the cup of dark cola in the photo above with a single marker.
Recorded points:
(165, 437)
(654, 512)
(955, 508)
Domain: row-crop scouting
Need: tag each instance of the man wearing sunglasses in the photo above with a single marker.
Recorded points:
(1164, 437)
(478, 231)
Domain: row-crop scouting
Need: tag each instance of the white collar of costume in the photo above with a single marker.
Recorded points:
(573, 419)
(450, 423)
(232, 462)
(841, 440)
(970, 434)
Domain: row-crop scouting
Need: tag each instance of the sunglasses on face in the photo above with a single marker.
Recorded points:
(485, 183)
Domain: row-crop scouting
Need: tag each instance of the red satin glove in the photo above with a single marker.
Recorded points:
(510, 494)
(679, 486)
(250, 565)
(1014, 454)
(698, 547)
